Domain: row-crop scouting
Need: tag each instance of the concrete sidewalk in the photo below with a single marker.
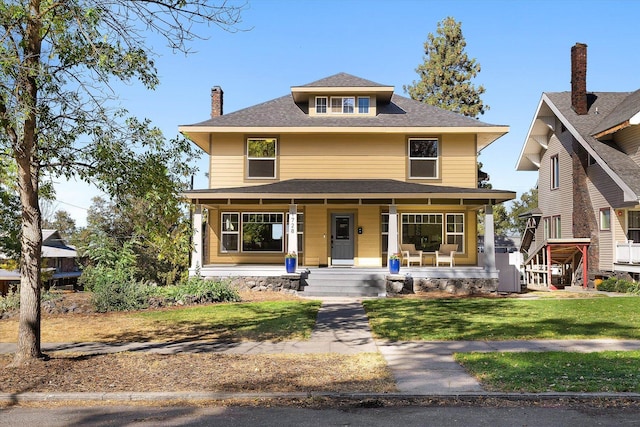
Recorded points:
(419, 367)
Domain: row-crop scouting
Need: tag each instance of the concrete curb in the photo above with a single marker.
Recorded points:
(217, 396)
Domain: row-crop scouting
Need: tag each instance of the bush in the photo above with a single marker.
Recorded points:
(116, 289)
(197, 290)
(619, 285)
(11, 301)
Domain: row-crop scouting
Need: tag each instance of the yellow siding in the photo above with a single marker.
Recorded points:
(316, 234)
(344, 156)
(369, 253)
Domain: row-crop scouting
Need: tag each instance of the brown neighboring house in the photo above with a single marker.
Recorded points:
(586, 148)
(59, 263)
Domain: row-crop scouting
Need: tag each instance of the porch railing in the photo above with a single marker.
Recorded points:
(627, 252)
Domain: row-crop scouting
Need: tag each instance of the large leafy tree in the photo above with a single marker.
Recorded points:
(446, 73)
(520, 208)
(57, 62)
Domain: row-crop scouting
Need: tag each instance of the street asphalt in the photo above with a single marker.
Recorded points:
(421, 368)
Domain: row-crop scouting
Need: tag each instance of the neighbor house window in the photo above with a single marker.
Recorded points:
(261, 157)
(556, 228)
(230, 232)
(555, 172)
(423, 158)
(455, 230)
(633, 226)
(262, 232)
(343, 104)
(363, 105)
(321, 104)
(423, 230)
(605, 219)
(546, 223)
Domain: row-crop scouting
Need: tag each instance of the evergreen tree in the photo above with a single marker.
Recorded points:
(445, 75)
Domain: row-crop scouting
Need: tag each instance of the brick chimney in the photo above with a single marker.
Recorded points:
(579, 79)
(216, 101)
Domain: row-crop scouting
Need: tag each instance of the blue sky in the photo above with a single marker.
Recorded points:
(522, 46)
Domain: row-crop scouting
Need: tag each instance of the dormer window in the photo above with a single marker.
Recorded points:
(343, 104)
(321, 104)
(363, 105)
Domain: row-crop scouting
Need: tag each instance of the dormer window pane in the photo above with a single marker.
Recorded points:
(363, 105)
(343, 105)
(321, 105)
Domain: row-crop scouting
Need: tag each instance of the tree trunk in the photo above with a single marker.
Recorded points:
(28, 180)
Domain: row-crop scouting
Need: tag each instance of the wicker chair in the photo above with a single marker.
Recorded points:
(410, 254)
(446, 254)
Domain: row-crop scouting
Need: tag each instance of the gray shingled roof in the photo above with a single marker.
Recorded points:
(605, 103)
(302, 187)
(626, 109)
(343, 80)
(400, 112)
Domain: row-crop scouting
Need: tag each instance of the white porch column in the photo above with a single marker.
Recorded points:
(392, 245)
(196, 254)
(489, 239)
(292, 229)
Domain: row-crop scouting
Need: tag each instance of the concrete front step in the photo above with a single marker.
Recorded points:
(344, 285)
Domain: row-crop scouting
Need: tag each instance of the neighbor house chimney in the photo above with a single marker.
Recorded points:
(579, 78)
(216, 101)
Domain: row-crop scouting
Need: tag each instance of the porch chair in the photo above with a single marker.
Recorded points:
(446, 253)
(410, 254)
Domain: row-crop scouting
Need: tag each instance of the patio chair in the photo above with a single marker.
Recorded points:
(446, 254)
(410, 254)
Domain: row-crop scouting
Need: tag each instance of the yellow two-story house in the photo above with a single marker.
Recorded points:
(341, 171)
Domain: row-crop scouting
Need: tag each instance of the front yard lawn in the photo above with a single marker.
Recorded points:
(259, 321)
(608, 371)
(402, 319)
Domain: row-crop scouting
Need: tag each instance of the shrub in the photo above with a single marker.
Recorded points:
(11, 301)
(197, 290)
(116, 289)
(619, 285)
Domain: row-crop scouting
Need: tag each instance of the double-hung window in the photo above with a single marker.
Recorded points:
(633, 226)
(423, 158)
(321, 104)
(455, 230)
(343, 104)
(261, 157)
(363, 105)
(230, 228)
(556, 227)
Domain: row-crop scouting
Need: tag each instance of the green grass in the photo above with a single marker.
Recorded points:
(609, 371)
(271, 320)
(504, 319)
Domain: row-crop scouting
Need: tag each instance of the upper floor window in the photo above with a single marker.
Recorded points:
(261, 157)
(321, 104)
(556, 227)
(363, 105)
(605, 219)
(423, 158)
(343, 104)
(555, 172)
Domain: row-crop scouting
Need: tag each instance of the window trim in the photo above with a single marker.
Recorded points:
(555, 172)
(274, 159)
(223, 232)
(436, 159)
(605, 213)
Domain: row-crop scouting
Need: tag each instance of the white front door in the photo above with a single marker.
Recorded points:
(342, 240)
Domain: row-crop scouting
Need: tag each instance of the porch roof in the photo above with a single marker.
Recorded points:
(357, 191)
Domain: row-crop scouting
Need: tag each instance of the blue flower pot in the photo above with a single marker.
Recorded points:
(290, 264)
(394, 266)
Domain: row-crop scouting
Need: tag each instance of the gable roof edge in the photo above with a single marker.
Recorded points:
(629, 194)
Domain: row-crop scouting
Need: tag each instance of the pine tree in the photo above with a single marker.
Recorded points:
(445, 75)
